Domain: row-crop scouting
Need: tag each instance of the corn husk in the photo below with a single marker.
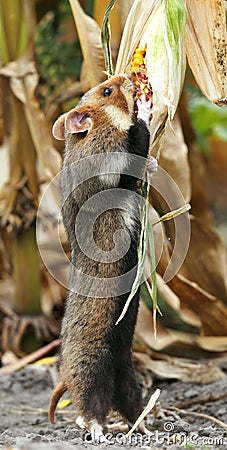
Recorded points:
(207, 47)
(135, 25)
(159, 27)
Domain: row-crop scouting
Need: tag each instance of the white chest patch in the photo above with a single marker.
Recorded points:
(111, 167)
(121, 120)
(129, 214)
(110, 179)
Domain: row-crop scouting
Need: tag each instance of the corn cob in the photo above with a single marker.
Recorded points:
(139, 74)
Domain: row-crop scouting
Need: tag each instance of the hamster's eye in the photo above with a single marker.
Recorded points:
(107, 92)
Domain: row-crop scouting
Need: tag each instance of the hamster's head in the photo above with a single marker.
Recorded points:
(110, 104)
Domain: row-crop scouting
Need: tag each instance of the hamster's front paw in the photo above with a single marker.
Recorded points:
(152, 165)
(144, 109)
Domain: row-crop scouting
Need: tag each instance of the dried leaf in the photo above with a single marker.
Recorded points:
(49, 361)
(207, 47)
(191, 295)
(90, 38)
(23, 81)
(200, 198)
(64, 403)
(31, 358)
(173, 301)
(178, 368)
(202, 303)
(172, 214)
(205, 263)
(169, 340)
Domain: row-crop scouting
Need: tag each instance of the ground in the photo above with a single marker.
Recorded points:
(24, 425)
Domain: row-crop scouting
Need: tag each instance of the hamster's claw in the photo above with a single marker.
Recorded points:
(144, 430)
(97, 432)
(81, 422)
(120, 426)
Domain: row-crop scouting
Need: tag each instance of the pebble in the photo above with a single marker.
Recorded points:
(191, 393)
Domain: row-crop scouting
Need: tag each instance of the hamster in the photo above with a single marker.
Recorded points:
(96, 355)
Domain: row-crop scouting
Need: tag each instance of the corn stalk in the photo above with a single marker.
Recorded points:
(25, 135)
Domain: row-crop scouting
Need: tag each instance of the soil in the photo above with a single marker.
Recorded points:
(24, 425)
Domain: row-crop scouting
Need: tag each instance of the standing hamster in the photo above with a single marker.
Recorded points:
(96, 355)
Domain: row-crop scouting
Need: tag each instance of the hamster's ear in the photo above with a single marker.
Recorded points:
(58, 129)
(78, 121)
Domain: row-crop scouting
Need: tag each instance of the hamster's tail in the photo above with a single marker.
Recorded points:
(57, 394)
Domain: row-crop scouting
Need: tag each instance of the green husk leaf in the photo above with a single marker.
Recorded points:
(105, 36)
(142, 251)
(153, 273)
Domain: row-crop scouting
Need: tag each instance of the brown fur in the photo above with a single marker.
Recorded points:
(57, 394)
(96, 364)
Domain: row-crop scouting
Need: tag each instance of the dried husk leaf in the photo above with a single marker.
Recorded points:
(90, 38)
(207, 47)
(162, 256)
(174, 157)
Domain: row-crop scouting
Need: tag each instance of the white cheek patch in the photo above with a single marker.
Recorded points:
(121, 120)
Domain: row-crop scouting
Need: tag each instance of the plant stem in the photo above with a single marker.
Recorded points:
(26, 272)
